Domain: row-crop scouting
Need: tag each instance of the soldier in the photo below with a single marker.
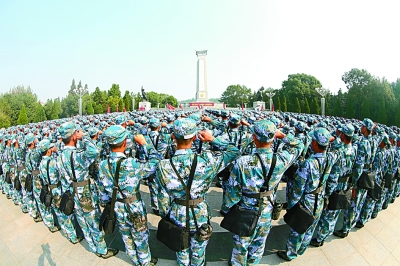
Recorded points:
(381, 159)
(129, 209)
(160, 142)
(392, 169)
(362, 164)
(338, 180)
(45, 147)
(73, 165)
(308, 190)
(32, 160)
(171, 192)
(247, 181)
(7, 156)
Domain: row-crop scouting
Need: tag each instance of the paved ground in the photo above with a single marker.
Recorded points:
(24, 242)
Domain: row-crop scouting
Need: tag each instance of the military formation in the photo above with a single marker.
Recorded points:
(63, 172)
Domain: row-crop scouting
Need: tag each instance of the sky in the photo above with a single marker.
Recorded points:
(46, 44)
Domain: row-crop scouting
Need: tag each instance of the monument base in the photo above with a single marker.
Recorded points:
(144, 106)
(259, 105)
(201, 105)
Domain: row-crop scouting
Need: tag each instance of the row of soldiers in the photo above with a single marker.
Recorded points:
(81, 156)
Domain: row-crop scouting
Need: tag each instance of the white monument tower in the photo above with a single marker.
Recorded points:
(201, 85)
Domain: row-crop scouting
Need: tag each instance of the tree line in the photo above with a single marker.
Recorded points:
(365, 95)
(20, 105)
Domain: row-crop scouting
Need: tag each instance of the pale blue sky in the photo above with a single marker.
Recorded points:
(46, 44)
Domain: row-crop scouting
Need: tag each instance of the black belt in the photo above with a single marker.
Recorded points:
(343, 179)
(192, 202)
(80, 184)
(55, 186)
(130, 199)
(259, 195)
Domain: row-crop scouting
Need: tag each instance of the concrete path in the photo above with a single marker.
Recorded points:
(24, 242)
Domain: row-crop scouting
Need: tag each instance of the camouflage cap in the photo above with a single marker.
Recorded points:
(119, 120)
(321, 136)
(300, 126)
(196, 118)
(264, 130)
(347, 129)
(115, 134)
(368, 123)
(170, 118)
(225, 113)
(185, 128)
(29, 138)
(235, 119)
(393, 135)
(67, 129)
(93, 131)
(154, 122)
(385, 139)
(45, 145)
(143, 120)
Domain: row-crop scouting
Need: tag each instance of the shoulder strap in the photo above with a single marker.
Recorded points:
(271, 169)
(47, 168)
(115, 188)
(187, 189)
(71, 160)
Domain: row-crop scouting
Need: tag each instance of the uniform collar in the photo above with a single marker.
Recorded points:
(183, 152)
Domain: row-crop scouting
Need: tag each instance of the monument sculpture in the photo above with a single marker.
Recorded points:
(144, 105)
(201, 84)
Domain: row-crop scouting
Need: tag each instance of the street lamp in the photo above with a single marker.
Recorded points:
(80, 92)
(322, 92)
(270, 94)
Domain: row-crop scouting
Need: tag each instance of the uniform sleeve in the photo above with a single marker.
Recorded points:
(300, 177)
(233, 193)
(164, 200)
(223, 159)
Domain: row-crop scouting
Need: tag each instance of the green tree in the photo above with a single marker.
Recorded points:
(121, 105)
(127, 101)
(236, 95)
(39, 115)
(278, 104)
(299, 86)
(12, 101)
(98, 109)
(22, 118)
(90, 109)
(297, 107)
(382, 116)
(114, 91)
(314, 108)
(4, 120)
(337, 109)
(396, 121)
(48, 108)
(306, 108)
(284, 104)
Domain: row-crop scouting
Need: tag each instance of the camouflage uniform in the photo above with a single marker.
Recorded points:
(160, 142)
(363, 160)
(32, 160)
(66, 222)
(134, 235)
(311, 175)
(247, 178)
(369, 203)
(170, 189)
(336, 182)
(86, 211)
